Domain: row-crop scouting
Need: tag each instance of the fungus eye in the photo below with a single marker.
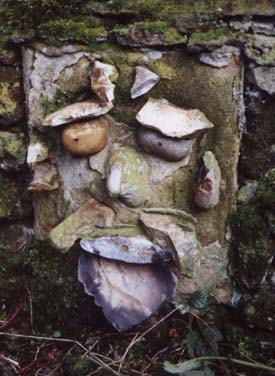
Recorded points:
(76, 139)
(159, 143)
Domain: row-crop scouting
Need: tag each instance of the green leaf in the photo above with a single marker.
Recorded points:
(213, 336)
(199, 300)
(57, 334)
(188, 365)
(188, 368)
(195, 344)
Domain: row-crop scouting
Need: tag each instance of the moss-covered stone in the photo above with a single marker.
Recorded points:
(128, 177)
(8, 56)
(258, 143)
(260, 310)
(11, 96)
(75, 79)
(158, 9)
(71, 30)
(253, 227)
(14, 201)
(12, 149)
(163, 70)
(209, 40)
(149, 34)
(50, 279)
(260, 48)
(83, 223)
(40, 148)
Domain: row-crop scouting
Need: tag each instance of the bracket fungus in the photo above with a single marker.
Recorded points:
(129, 293)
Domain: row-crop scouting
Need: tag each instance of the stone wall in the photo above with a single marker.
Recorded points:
(131, 141)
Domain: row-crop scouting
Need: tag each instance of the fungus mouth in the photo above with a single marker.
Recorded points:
(76, 139)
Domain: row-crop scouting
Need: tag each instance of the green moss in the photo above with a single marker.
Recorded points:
(154, 27)
(49, 107)
(102, 47)
(247, 222)
(252, 223)
(50, 279)
(7, 103)
(13, 144)
(162, 69)
(67, 29)
(265, 193)
(172, 36)
(150, 7)
(26, 15)
(8, 194)
(213, 35)
(254, 255)
(134, 175)
(62, 99)
(141, 32)
(255, 49)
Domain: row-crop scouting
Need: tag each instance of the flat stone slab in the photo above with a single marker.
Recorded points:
(171, 120)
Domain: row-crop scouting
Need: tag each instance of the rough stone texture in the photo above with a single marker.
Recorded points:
(168, 148)
(82, 223)
(260, 48)
(41, 74)
(77, 111)
(128, 176)
(210, 40)
(265, 79)
(12, 150)
(145, 80)
(86, 138)
(219, 58)
(172, 121)
(73, 79)
(124, 135)
(101, 80)
(45, 177)
(222, 110)
(11, 96)
(118, 133)
(257, 152)
(140, 35)
(51, 208)
(177, 236)
(133, 250)
(210, 275)
(40, 147)
(208, 192)
(62, 215)
(218, 94)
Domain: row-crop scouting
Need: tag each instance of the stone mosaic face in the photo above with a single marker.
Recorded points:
(115, 146)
